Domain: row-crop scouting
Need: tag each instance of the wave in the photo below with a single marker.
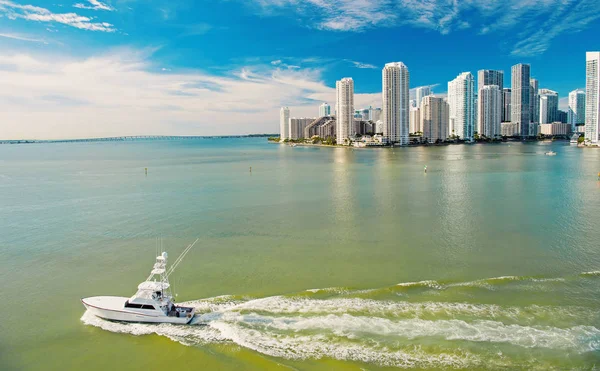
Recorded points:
(363, 338)
(486, 283)
(337, 323)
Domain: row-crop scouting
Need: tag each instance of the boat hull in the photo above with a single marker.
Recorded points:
(113, 308)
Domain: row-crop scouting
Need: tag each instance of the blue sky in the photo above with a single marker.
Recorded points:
(125, 67)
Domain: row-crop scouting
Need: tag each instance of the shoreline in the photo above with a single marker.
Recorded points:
(564, 141)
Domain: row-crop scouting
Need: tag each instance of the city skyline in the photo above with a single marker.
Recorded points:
(109, 68)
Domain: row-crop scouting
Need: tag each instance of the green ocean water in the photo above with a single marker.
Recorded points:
(318, 259)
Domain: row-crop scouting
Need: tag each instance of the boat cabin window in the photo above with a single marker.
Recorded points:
(138, 306)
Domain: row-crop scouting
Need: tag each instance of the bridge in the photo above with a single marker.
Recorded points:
(129, 138)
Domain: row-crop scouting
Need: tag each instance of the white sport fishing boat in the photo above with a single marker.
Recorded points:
(151, 303)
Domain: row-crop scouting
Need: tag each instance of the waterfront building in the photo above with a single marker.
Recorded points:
(324, 110)
(562, 116)
(375, 114)
(576, 112)
(297, 126)
(520, 104)
(534, 100)
(555, 128)
(548, 106)
(461, 99)
(509, 129)
(379, 127)
(284, 122)
(490, 111)
(592, 97)
(490, 77)
(395, 79)
(344, 109)
(415, 120)
(413, 103)
(506, 96)
(434, 118)
(322, 127)
(420, 92)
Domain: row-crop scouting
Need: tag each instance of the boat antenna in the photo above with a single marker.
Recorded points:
(180, 258)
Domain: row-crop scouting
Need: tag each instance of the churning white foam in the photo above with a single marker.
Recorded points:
(365, 330)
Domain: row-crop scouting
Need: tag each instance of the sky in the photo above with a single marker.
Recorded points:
(98, 68)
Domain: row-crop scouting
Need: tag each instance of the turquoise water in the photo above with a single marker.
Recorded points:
(319, 258)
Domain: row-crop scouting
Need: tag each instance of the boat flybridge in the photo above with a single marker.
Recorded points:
(152, 302)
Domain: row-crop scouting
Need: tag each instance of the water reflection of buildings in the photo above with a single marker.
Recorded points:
(343, 191)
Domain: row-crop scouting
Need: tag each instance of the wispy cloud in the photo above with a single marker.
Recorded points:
(23, 38)
(94, 5)
(34, 13)
(363, 65)
(530, 24)
(125, 84)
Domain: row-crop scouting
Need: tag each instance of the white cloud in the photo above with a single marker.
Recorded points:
(22, 38)
(33, 13)
(94, 5)
(530, 24)
(363, 65)
(122, 93)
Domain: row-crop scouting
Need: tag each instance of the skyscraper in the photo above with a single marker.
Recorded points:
(324, 110)
(420, 92)
(576, 111)
(506, 97)
(375, 114)
(490, 111)
(592, 97)
(490, 77)
(395, 79)
(284, 122)
(415, 120)
(461, 98)
(534, 101)
(520, 104)
(434, 118)
(548, 106)
(344, 109)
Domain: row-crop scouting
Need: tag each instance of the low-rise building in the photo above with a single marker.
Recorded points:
(555, 128)
(509, 129)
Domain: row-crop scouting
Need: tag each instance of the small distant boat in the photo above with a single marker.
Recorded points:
(293, 145)
(152, 303)
(550, 153)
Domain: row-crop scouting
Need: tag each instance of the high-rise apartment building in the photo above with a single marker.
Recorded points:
(344, 109)
(324, 110)
(592, 97)
(420, 92)
(506, 97)
(375, 114)
(461, 99)
(490, 111)
(415, 120)
(534, 101)
(434, 118)
(490, 77)
(576, 111)
(548, 106)
(297, 126)
(284, 122)
(395, 92)
(520, 99)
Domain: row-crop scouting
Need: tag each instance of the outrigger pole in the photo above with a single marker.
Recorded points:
(180, 258)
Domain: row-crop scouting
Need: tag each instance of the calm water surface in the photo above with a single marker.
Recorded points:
(320, 259)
